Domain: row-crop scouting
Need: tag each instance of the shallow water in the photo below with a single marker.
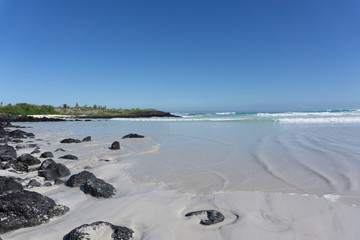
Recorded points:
(204, 157)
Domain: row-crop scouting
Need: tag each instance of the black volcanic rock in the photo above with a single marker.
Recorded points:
(28, 159)
(46, 155)
(69, 157)
(8, 117)
(78, 180)
(98, 228)
(209, 217)
(33, 183)
(87, 139)
(97, 187)
(20, 209)
(16, 165)
(70, 140)
(46, 163)
(36, 151)
(6, 157)
(49, 175)
(133, 135)
(3, 133)
(59, 150)
(29, 145)
(6, 149)
(54, 171)
(115, 145)
(60, 169)
(9, 184)
(20, 134)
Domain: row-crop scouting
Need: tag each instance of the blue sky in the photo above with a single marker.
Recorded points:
(182, 55)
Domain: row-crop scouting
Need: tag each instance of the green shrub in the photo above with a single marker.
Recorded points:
(28, 109)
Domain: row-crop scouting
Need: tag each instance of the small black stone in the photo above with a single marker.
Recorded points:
(70, 140)
(46, 155)
(133, 135)
(80, 233)
(115, 145)
(213, 216)
(69, 157)
(87, 139)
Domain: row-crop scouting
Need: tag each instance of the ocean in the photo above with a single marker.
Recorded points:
(285, 175)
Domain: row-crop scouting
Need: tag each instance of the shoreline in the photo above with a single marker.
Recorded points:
(156, 212)
(6, 117)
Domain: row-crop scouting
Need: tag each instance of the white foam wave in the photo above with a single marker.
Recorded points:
(225, 113)
(320, 120)
(179, 119)
(311, 114)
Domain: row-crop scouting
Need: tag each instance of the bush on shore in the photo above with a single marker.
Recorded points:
(27, 109)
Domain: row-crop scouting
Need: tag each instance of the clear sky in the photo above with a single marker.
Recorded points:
(179, 55)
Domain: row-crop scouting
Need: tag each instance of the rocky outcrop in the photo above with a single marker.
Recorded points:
(115, 145)
(59, 150)
(98, 188)
(208, 217)
(78, 180)
(133, 135)
(70, 140)
(21, 208)
(98, 230)
(69, 157)
(46, 155)
(7, 117)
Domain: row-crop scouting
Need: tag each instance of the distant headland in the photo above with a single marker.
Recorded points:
(22, 112)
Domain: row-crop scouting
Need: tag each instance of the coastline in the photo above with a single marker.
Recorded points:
(6, 117)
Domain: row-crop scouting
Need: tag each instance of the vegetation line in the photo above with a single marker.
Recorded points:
(95, 110)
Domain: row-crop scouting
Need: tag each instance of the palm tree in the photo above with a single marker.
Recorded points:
(65, 106)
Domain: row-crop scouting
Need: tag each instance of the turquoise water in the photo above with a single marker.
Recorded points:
(288, 152)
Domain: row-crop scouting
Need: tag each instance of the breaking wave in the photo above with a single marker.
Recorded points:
(313, 117)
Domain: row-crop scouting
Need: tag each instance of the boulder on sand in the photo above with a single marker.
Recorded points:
(28, 159)
(78, 180)
(6, 149)
(21, 208)
(69, 157)
(87, 139)
(99, 230)
(46, 155)
(20, 134)
(70, 140)
(115, 145)
(208, 217)
(133, 135)
(97, 187)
